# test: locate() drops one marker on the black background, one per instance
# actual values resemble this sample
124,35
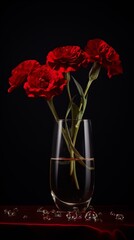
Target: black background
29,30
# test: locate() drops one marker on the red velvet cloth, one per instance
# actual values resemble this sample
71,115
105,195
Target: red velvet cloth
30,223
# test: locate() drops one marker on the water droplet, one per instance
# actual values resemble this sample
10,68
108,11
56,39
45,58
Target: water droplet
91,216
58,214
40,209
119,216
47,217
112,213
72,215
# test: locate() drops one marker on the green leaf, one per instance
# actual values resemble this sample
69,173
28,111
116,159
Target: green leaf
83,102
94,71
80,90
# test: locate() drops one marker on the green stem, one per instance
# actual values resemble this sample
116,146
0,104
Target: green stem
93,74
72,163
53,110
65,135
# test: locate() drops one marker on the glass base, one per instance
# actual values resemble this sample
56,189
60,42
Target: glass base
68,206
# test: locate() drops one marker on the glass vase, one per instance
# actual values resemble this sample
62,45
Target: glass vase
72,168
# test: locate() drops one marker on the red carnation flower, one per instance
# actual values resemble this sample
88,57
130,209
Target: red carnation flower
67,58
44,82
99,51
20,73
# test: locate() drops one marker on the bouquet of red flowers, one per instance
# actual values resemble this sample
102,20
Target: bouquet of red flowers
50,79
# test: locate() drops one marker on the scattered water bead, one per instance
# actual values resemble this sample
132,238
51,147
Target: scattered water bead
40,209
75,214
119,216
77,210
5,211
58,214
11,212
47,217
72,215
91,215
53,211
112,213
45,212
15,209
